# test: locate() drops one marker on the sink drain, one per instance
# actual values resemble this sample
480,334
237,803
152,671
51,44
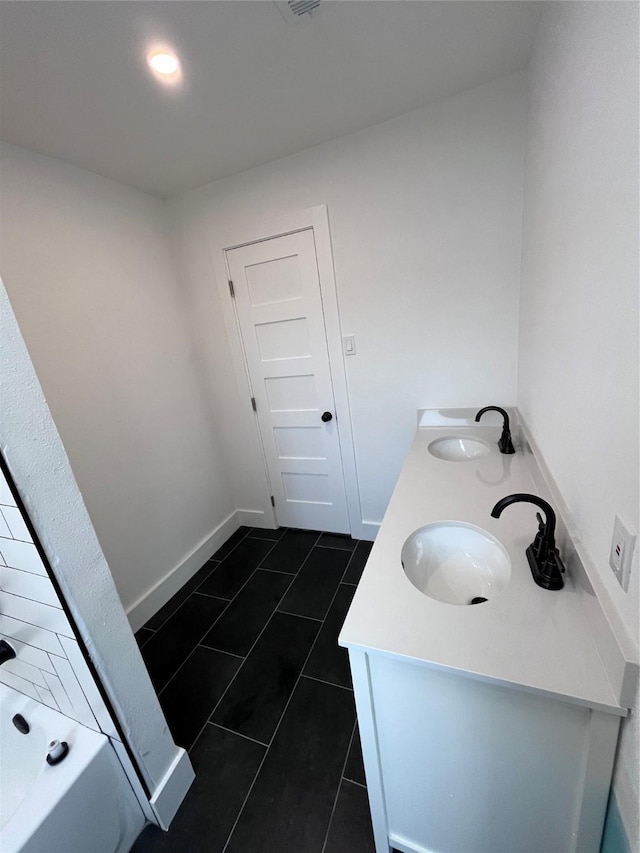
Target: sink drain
478,600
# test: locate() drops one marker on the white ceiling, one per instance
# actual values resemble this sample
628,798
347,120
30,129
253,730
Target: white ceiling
74,84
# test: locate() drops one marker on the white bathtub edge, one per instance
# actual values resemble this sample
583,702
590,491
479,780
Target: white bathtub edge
85,803
172,789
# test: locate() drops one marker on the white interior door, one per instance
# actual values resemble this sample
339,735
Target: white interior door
279,308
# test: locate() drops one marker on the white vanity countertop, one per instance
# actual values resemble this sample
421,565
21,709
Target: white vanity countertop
526,636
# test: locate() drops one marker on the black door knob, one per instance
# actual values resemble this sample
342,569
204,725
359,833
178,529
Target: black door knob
327,416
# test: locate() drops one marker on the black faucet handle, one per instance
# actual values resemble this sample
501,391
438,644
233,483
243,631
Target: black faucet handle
557,559
537,542
552,567
505,444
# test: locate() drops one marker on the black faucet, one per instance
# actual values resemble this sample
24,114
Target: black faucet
543,556
505,444
6,652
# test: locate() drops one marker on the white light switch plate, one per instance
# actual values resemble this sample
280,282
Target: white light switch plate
349,344
621,554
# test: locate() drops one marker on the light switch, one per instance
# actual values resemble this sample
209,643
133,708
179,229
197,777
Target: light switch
349,344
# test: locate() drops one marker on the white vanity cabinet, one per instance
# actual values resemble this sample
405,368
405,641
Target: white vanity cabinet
459,765
489,728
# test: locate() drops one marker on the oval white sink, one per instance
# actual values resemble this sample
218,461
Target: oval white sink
457,448
455,562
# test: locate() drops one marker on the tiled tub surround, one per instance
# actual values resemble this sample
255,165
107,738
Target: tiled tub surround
523,711
49,669
82,804
253,683
49,666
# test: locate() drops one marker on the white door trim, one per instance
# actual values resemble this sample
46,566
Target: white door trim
318,219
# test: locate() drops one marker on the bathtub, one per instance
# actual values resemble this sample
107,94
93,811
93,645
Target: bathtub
84,804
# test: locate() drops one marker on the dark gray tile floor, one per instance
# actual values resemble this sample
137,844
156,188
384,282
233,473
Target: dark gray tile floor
254,685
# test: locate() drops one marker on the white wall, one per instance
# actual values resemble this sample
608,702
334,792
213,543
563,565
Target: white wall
40,469
579,357
87,265
425,215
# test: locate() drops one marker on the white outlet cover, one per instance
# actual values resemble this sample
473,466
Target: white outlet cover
621,554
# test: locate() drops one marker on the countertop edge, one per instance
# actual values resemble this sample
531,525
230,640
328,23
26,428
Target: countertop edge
583,702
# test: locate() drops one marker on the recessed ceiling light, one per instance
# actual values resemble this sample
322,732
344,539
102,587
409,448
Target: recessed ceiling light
164,63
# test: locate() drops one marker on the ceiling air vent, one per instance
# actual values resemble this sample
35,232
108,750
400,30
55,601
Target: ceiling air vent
294,11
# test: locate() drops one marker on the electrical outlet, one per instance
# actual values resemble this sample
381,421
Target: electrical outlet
621,554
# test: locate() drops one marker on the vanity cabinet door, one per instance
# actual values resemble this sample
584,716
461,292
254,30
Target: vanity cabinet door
469,765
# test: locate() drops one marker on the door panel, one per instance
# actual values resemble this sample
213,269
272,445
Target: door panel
291,393
279,309
283,340
299,442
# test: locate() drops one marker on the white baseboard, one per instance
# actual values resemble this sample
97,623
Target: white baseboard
368,530
130,772
404,846
171,791
255,518
143,609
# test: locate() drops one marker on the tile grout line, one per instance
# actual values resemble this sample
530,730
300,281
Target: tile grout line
275,571
224,651
335,801
363,567
275,610
217,564
329,683
220,562
199,643
26,597
299,615
241,539
336,548
197,646
264,538
238,734
322,621
333,811
22,693
182,603
344,574
208,594
355,722
13,538
143,642
353,782
284,711
296,573
333,597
